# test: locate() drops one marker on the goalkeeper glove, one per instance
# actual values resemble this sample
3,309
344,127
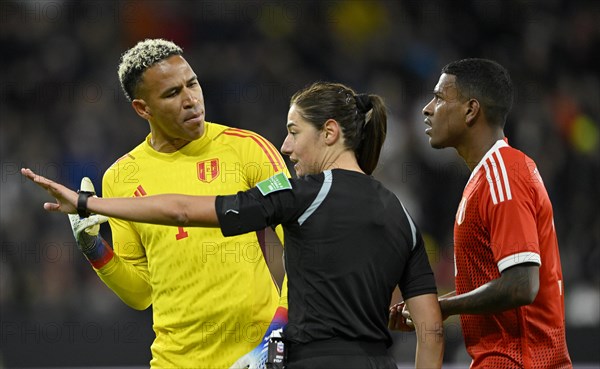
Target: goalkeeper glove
86,232
257,358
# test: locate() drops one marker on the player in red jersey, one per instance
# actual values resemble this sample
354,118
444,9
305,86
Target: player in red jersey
509,284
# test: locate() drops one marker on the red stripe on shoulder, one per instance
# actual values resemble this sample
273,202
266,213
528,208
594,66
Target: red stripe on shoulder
265,145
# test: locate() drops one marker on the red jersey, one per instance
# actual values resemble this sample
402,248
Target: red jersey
504,219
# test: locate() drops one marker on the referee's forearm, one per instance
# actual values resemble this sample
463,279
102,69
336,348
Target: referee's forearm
172,210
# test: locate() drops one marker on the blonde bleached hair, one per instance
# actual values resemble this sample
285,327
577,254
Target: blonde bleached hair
142,56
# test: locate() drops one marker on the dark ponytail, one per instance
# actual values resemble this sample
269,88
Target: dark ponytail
373,135
362,118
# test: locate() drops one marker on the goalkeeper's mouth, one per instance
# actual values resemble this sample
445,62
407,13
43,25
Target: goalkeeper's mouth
196,118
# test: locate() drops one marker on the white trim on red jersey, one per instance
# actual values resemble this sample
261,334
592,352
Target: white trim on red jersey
491,161
520,258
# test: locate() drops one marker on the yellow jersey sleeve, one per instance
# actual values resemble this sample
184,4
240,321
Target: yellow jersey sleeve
127,273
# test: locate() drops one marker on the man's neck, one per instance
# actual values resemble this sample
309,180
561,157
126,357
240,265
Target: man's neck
167,146
477,148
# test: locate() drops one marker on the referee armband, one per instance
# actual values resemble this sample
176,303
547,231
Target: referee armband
239,214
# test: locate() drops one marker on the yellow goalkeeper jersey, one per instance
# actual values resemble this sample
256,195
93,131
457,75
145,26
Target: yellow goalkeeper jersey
212,297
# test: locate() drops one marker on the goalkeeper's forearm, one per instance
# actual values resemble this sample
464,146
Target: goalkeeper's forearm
96,250
87,235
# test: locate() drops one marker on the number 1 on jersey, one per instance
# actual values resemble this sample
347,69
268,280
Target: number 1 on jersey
181,234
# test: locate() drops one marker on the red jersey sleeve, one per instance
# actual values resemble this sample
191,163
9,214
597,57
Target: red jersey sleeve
509,208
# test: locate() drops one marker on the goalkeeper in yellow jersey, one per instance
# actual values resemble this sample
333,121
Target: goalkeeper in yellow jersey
213,298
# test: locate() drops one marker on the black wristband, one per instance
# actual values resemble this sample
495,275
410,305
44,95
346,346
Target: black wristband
82,203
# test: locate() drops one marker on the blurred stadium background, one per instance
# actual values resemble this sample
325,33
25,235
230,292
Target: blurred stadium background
62,113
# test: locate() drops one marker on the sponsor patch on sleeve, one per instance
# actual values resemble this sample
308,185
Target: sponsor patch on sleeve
276,183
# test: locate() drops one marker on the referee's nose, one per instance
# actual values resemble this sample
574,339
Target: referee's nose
286,146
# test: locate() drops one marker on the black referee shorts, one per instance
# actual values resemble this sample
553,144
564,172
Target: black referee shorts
339,354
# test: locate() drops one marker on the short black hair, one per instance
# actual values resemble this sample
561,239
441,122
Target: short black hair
488,82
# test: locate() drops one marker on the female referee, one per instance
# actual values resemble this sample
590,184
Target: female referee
349,241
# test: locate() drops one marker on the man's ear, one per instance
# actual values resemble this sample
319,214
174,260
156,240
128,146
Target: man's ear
141,108
332,131
472,111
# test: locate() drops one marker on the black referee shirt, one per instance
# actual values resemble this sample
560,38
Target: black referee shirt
348,243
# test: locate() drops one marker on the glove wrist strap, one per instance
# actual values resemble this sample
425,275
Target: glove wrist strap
82,203
100,254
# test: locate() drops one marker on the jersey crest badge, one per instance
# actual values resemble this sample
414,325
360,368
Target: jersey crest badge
208,170
276,183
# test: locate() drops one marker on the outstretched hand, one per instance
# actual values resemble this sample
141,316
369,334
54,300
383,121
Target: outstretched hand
66,200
